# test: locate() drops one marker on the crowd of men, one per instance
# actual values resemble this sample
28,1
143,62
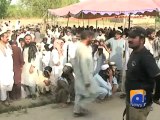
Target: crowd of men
75,64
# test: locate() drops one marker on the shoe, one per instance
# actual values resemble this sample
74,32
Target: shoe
63,105
122,96
79,114
34,97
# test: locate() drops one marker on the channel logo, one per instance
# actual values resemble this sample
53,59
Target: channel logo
138,98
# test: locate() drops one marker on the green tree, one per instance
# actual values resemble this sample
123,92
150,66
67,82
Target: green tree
39,7
4,4
16,11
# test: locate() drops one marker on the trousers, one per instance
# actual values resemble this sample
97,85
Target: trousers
137,114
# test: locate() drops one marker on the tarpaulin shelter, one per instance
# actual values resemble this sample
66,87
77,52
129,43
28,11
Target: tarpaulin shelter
91,9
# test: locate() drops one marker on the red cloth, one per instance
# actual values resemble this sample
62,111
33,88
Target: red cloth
107,5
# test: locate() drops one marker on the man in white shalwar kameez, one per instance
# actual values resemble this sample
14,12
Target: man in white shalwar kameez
56,61
30,70
6,71
86,89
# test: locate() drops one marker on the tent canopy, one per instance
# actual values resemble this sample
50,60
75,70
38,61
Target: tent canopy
102,8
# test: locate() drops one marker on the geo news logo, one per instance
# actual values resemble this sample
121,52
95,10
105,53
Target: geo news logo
138,98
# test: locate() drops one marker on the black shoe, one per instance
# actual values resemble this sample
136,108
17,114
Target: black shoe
79,114
122,96
34,97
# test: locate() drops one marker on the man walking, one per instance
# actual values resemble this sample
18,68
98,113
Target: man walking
86,88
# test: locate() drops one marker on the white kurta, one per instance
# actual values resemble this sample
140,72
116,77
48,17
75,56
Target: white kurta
28,78
149,46
6,73
57,65
83,68
71,50
116,55
46,58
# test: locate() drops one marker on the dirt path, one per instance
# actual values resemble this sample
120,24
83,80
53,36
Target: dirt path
109,110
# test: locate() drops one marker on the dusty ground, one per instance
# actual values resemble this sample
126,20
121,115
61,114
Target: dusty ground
105,22
109,110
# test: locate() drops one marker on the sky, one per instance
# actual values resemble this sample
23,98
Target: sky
14,1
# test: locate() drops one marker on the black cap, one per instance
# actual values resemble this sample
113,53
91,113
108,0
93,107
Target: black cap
137,31
47,71
149,31
21,39
158,34
12,42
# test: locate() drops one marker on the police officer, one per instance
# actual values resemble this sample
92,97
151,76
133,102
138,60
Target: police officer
141,77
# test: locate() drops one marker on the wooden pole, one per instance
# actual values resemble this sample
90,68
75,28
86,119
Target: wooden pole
67,21
103,22
129,21
47,16
96,24
83,18
54,20
88,22
157,18
78,22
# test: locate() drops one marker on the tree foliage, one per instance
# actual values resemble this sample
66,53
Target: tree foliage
4,4
16,11
39,7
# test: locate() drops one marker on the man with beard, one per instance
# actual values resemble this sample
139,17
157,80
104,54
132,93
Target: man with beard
141,76
149,42
106,81
29,71
156,47
6,71
65,86
101,36
99,59
117,47
86,88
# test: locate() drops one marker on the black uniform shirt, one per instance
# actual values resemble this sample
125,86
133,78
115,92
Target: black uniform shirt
142,68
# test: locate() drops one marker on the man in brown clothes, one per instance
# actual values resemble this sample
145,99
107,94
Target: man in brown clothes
17,68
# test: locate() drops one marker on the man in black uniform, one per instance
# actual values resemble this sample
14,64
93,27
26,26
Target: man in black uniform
141,77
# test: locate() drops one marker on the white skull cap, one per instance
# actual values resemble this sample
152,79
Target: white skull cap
112,63
68,64
104,67
50,46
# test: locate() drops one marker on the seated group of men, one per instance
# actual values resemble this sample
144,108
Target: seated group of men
64,90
